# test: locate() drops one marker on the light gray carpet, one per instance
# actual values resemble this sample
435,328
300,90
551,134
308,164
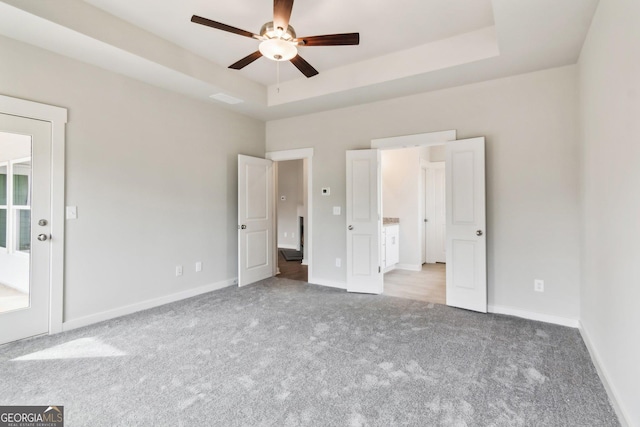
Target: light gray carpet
284,353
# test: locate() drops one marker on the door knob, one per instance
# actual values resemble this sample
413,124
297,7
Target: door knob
426,220
350,227
479,233
243,227
42,237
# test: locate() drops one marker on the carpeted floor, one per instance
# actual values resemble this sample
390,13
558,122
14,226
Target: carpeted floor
285,353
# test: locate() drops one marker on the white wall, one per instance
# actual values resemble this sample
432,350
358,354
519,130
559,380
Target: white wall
532,197
401,199
154,176
290,183
610,130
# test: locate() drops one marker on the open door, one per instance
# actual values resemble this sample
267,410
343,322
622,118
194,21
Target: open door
363,222
466,225
255,220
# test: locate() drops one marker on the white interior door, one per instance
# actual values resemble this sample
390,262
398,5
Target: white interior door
364,223
255,220
466,231
25,216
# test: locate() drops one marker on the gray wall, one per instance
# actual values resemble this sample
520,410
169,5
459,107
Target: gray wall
154,176
532,196
610,115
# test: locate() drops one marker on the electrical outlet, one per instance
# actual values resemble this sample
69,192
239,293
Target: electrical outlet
198,266
286,234
178,270
338,262
538,285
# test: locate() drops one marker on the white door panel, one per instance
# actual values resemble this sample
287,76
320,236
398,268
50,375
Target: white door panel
255,220
466,225
364,273
25,214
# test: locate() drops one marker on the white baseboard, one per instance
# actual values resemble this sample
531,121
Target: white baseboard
541,317
328,283
144,305
305,262
604,377
410,267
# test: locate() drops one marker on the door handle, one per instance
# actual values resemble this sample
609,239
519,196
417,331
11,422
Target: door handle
350,227
479,233
42,237
242,227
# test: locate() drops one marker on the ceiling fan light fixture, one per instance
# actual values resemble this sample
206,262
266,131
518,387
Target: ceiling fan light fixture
278,49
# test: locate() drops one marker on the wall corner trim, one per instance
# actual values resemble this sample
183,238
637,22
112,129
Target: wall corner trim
145,305
623,417
531,315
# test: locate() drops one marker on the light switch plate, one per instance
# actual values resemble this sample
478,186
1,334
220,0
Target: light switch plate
336,210
72,212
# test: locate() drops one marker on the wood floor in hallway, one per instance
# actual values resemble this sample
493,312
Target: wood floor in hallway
293,270
429,284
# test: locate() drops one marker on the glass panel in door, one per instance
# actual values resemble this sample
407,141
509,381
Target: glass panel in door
15,221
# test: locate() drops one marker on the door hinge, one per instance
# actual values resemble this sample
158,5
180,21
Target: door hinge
379,271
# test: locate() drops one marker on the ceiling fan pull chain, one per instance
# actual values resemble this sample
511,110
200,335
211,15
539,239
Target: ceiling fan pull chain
278,76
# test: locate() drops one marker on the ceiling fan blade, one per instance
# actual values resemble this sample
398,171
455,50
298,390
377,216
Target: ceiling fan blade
303,66
282,13
331,40
220,26
246,60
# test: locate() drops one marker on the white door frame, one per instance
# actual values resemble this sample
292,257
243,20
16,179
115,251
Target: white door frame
57,116
300,154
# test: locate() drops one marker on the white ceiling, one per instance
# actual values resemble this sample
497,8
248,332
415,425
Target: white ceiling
407,46
383,29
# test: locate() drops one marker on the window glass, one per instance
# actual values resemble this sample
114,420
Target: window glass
21,172
23,230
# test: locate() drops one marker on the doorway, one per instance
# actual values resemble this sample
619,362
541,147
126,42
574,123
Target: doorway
465,217
299,223
291,213
413,208
32,217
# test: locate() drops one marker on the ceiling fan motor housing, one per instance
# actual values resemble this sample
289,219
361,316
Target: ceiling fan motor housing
278,45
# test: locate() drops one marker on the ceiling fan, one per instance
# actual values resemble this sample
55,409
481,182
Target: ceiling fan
278,40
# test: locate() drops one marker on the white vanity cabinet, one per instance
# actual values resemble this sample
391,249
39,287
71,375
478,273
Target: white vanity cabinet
390,246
